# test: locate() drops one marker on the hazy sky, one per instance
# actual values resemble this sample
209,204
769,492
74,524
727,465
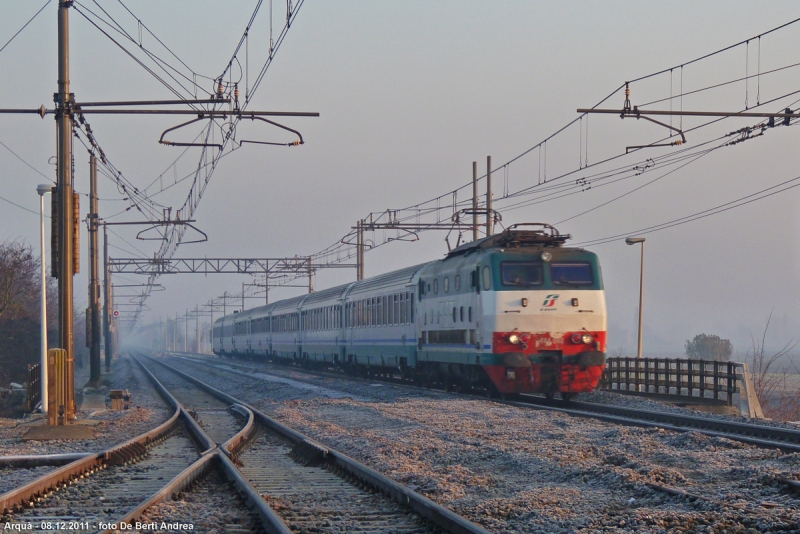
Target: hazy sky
410,94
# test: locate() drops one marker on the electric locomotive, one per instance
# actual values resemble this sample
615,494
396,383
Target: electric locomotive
515,312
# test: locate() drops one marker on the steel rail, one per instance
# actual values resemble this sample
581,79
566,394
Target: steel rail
231,447
121,453
755,434
271,522
441,516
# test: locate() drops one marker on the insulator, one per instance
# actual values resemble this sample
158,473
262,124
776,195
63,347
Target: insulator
236,93
219,89
627,91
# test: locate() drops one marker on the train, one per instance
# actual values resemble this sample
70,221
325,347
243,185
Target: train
515,312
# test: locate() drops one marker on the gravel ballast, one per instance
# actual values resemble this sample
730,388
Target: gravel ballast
147,411
514,469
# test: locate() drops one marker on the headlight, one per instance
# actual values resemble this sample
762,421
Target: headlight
546,256
513,339
586,339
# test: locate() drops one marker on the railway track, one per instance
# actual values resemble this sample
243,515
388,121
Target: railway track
312,488
102,491
758,434
317,489
748,501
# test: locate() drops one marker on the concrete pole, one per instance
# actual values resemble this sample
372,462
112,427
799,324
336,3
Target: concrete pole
94,278
360,250
310,277
65,200
641,303
475,218
242,296
211,331
186,332
43,189
489,214
175,333
107,304
196,330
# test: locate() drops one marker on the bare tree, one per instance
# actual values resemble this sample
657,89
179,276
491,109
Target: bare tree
18,290
772,381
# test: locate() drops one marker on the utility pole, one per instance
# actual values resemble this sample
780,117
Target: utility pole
175,333
475,218
360,251
489,214
94,278
107,303
310,277
196,330
242,296
186,332
63,100
211,330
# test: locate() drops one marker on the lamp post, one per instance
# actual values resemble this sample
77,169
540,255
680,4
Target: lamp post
43,189
633,241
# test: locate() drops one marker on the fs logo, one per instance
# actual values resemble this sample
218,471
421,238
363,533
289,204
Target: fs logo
550,301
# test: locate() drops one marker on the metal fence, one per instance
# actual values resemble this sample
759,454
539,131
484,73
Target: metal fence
34,386
690,378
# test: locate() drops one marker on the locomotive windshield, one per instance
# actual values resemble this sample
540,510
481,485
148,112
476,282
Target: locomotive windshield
521,274
572,274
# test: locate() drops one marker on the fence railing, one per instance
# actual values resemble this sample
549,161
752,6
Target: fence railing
690,378
34,386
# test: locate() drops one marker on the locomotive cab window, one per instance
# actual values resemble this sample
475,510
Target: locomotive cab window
521,274
487,278
572,274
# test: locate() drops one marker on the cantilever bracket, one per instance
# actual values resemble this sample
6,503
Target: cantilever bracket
405,236
205,236
293,143
174,143
635,113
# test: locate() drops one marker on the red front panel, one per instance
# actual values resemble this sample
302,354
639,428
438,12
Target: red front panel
518,375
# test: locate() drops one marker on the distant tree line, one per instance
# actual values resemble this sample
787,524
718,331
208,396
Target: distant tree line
709,347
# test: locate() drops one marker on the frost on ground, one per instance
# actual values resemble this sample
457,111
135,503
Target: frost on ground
521,470
147,411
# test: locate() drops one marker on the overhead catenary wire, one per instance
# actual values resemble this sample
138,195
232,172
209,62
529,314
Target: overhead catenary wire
24,26
34,169
721,208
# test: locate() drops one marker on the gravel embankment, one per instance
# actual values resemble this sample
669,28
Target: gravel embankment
523,470
110,427
12,477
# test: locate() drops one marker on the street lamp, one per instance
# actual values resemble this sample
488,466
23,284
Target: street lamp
633,241
43,189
